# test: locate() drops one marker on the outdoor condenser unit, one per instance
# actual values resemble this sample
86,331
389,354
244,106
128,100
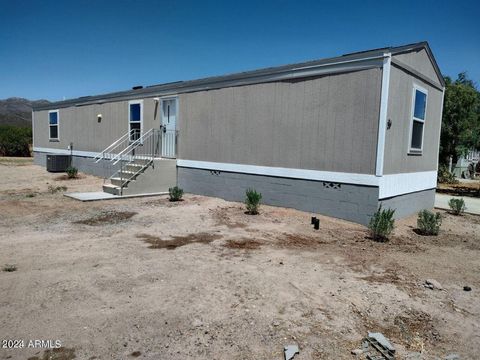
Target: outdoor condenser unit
57,163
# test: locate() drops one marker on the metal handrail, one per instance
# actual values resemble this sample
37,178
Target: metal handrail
132,146
108,150
150,142
141,152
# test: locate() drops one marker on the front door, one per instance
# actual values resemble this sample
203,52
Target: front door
168,127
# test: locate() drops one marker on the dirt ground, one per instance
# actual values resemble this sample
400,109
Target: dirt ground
199,279
463,188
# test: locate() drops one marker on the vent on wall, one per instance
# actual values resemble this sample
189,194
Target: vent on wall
332,185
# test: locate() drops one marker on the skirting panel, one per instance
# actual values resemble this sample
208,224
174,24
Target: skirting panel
86,165
409,204
350,202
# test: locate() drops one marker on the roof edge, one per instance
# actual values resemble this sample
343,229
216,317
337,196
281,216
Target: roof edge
299,70
418,46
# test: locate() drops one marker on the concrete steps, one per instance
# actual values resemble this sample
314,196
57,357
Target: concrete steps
111,189
159,176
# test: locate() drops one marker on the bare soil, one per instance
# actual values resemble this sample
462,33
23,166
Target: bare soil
199,279
56,354
107,217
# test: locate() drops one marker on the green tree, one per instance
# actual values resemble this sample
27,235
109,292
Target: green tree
461,118
15,141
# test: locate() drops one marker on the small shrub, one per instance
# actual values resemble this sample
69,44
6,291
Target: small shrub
31,195
381,224
54,189
428,223
445,176
10,268
457,206
175,193
252,201
72,172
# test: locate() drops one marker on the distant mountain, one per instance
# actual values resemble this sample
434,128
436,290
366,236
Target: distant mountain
18,111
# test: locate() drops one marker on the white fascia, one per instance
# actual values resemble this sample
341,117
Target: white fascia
382,121
65,152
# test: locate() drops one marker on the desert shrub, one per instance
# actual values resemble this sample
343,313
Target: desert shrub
54,189
15,141
445,176
381,224
428,223
457,205
175,193
252,201
72,172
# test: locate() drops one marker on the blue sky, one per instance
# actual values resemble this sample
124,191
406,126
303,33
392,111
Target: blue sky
64,49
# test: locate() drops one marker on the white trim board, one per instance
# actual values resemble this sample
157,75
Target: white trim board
382,120
349,178
389,185
134,102
440,127
413,118
57,125
65,152
398,184
33,128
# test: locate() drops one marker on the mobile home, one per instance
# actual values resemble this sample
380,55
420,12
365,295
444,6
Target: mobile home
336,136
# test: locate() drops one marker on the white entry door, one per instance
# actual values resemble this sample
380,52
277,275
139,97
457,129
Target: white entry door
168,127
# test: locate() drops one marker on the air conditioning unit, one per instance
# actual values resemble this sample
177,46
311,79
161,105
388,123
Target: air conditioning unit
57,163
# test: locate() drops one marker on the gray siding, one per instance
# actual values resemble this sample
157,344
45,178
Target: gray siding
420,61
328,123
78,124
350,202
397,159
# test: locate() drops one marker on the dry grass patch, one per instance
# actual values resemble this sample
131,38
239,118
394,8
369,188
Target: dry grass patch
243,244
15,161
107,217
414,329
56,354
65,177
178,241
10,268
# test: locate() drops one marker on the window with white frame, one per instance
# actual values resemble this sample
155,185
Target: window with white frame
53,122
419,111
135,115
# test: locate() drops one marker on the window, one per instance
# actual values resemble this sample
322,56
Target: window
53,124
135,118
419,110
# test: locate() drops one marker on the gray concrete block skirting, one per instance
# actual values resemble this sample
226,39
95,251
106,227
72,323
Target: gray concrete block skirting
346,201
86,165
350,202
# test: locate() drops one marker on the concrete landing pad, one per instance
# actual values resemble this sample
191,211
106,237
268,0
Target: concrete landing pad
100,195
